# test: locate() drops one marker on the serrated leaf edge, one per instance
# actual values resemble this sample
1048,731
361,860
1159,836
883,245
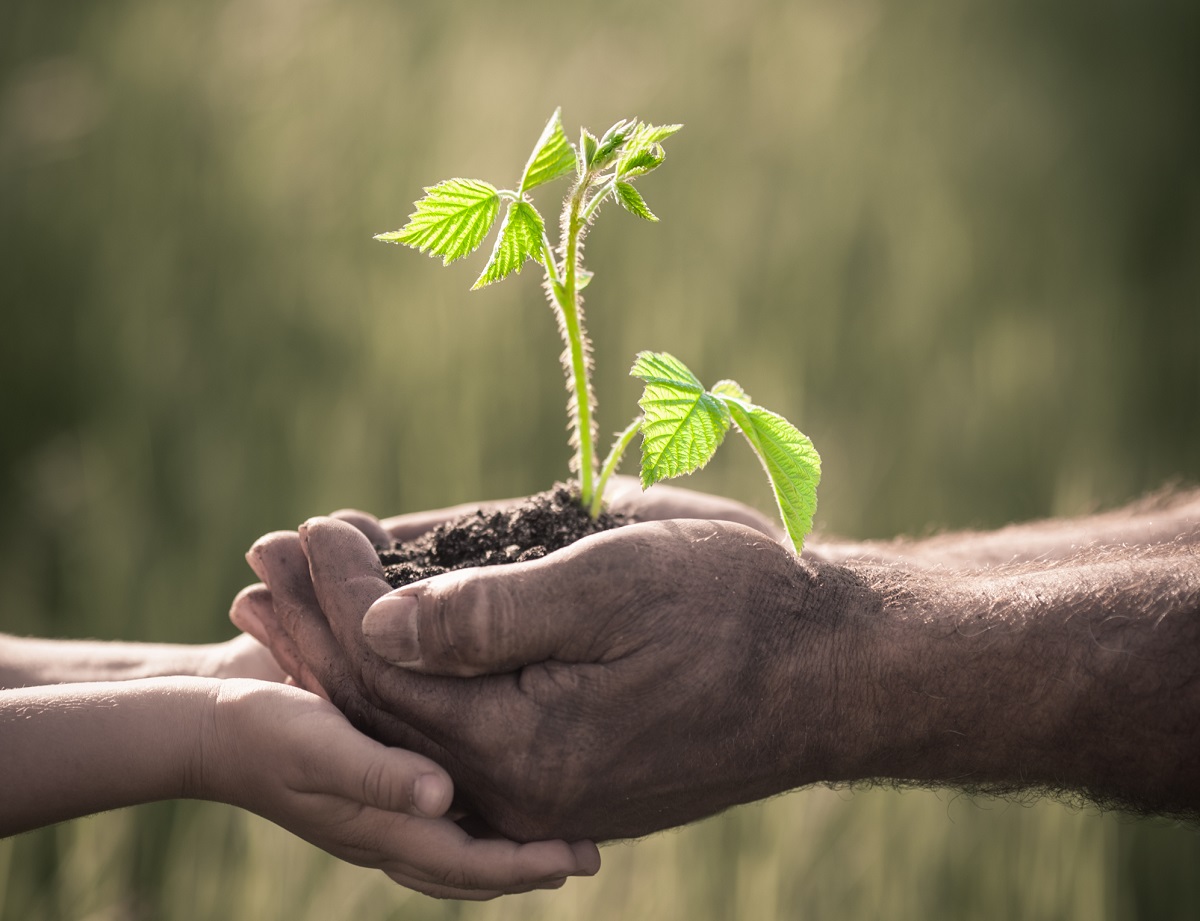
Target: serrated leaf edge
631,200
514,208
553,126
785,490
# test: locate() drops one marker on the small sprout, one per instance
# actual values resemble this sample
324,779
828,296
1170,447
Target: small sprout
682,423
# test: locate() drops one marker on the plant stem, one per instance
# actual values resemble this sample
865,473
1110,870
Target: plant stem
576,338
612,462
598,198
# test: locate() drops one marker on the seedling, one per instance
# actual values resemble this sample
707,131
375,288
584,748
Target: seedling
682,423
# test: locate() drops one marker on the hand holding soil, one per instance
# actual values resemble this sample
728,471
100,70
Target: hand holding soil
652,674
648,650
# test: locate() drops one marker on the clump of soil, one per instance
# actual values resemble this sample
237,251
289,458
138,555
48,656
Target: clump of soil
542,524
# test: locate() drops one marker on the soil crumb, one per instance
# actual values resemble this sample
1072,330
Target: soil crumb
542,524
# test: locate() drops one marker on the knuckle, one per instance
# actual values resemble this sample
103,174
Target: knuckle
468,624
380,787
346,697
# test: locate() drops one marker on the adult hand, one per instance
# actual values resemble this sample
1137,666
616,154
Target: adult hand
292,758
639,679
251,610
623,495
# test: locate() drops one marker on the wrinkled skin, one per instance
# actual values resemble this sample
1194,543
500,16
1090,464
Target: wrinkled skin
657,638
651,675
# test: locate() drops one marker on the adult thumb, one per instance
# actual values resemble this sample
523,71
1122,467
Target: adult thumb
481,621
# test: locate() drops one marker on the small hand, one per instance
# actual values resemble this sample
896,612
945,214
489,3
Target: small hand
241,657
639,679
293,758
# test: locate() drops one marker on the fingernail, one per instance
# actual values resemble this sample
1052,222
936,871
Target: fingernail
390,628
247,622
588,857
428,795
254,558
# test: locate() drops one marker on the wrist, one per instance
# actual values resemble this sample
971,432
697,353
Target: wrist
939,686
1075,677
884,676
74,749
828,658
241,723
213,760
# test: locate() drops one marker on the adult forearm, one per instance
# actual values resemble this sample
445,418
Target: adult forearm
76,749
1081,678
1167,519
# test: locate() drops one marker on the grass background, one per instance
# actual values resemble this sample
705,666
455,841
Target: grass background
955,242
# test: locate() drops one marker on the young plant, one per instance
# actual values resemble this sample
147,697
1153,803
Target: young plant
682,423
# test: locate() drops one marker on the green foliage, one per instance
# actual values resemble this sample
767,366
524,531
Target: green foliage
588,148
520,238
613,141
631,200
451,220
790,460
552,156
683,425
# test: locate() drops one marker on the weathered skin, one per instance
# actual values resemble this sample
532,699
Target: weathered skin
652,675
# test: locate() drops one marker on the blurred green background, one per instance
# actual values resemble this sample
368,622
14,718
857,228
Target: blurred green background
957,243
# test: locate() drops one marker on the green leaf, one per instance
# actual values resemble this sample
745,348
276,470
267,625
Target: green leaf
683,425
640,162
552,156
643,150
792,464
614,138
729,389
588,145
631,200
520,238
652,134
451,220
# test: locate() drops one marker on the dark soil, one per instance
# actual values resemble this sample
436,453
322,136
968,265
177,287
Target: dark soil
542,524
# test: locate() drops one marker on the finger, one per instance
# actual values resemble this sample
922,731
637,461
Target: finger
346,578
414,524
437,891
251,605
497,619
451,857
253,611
279,561
345,573
391,779
662,502
368,524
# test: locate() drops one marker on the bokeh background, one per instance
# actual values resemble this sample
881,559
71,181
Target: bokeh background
957,243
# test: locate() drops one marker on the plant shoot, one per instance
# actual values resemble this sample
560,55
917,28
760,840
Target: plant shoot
681,422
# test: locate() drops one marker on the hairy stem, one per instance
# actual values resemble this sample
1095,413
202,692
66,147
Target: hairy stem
612,462
599,197
576,337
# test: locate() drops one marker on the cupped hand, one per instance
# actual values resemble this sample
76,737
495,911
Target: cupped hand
294,759
251,610
623,495
639,679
